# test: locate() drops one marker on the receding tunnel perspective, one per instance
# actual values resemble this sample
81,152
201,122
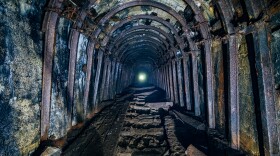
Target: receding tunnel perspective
140,77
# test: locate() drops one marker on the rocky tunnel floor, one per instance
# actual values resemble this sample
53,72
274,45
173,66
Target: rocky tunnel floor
135,126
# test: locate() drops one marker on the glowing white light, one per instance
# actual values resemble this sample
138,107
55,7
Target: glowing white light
142,77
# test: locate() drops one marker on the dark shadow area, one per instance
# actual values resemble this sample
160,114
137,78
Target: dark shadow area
89,145
190,131
256,91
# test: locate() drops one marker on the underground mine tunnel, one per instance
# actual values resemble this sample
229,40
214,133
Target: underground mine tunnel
140,77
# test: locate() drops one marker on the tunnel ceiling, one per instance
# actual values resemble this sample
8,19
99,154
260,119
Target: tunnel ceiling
141,32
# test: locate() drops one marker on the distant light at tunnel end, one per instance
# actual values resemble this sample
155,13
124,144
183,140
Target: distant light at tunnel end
142,77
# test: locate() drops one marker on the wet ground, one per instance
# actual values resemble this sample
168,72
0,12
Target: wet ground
136,124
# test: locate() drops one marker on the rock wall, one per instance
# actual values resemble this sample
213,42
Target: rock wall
219,84
58,116
201,83
248,128
276,61
78,111
20,75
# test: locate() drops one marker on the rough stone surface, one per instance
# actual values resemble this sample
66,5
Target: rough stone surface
142,132
248,128
58,116
192,151
51,151
101,135
79,108
20,76
276,61
217,54
176,148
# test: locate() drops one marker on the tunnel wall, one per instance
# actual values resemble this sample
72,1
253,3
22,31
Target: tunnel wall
248,129
276,62
20,76
59,117
242,107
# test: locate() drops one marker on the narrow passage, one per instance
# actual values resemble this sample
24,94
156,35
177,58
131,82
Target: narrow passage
136,124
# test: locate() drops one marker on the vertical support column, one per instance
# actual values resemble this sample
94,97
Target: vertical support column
161,77
209,81
266,92
171,82
187,82
116,70
107,82
90,51
71,73
119,79
103,84
233,93
123,77
97,77
168,82
176,98
158,78
50,24
197,110
112,81
179,73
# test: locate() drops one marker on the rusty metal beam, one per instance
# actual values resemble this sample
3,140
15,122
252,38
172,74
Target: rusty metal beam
266,85
97,76
141,51
233,93
158,5
167,80
195,84
169,37
74,36
180,82
145,46
103,82
139,56
175,82
119,78
138,41
226,15
73,46
140,59
154,18
187,81
141,34
114,91
90,52
111,82
107,81
49,25
209,84
171,81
